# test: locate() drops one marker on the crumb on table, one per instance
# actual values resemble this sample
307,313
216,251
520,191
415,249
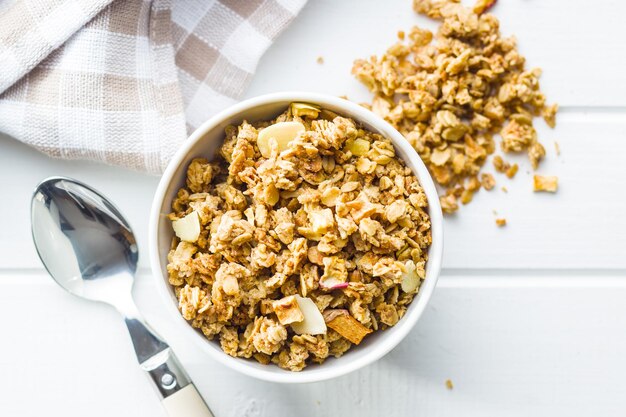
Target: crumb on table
546,183
512,171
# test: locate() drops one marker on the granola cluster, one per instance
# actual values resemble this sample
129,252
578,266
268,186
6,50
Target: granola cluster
449,97
304,235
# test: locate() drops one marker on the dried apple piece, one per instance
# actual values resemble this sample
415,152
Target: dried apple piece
546,183
347,326
287,310
305,109
335,273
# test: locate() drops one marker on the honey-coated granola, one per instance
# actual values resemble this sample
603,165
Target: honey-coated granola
304,235
449,93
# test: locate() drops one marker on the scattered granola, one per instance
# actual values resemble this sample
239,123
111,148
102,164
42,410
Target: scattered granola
487,181
545,183
549,114
482,6
449,384
305,234
501,222
500,164
448,97
512,170
320,60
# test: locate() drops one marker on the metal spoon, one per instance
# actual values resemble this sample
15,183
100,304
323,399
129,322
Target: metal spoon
89,249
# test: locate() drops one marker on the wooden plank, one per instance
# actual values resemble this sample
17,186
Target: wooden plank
543,346
576,44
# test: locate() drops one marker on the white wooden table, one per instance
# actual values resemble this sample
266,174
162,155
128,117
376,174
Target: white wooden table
527,320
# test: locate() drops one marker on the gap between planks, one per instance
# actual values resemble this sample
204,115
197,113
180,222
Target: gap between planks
592,114
591,109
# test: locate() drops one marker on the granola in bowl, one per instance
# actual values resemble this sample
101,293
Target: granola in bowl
304,235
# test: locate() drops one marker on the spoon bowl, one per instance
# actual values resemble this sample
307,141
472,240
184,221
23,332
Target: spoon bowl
83,241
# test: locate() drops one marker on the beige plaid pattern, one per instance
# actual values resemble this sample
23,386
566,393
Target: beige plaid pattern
124,81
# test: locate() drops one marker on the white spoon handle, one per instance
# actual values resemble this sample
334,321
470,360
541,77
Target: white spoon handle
178,394
186,402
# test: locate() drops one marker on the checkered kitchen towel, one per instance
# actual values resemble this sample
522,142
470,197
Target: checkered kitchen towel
124,81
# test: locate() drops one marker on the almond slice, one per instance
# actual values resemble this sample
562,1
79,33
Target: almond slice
282,133
347,326
334,284
187,228
410,278
313,322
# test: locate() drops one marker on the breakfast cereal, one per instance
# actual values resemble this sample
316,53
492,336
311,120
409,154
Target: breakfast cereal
304,235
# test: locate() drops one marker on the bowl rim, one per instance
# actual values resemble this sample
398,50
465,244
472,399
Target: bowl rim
382,346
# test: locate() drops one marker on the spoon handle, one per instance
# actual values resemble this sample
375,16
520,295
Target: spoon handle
179,396
186,403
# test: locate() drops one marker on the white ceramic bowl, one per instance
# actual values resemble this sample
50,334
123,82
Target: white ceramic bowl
203,143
